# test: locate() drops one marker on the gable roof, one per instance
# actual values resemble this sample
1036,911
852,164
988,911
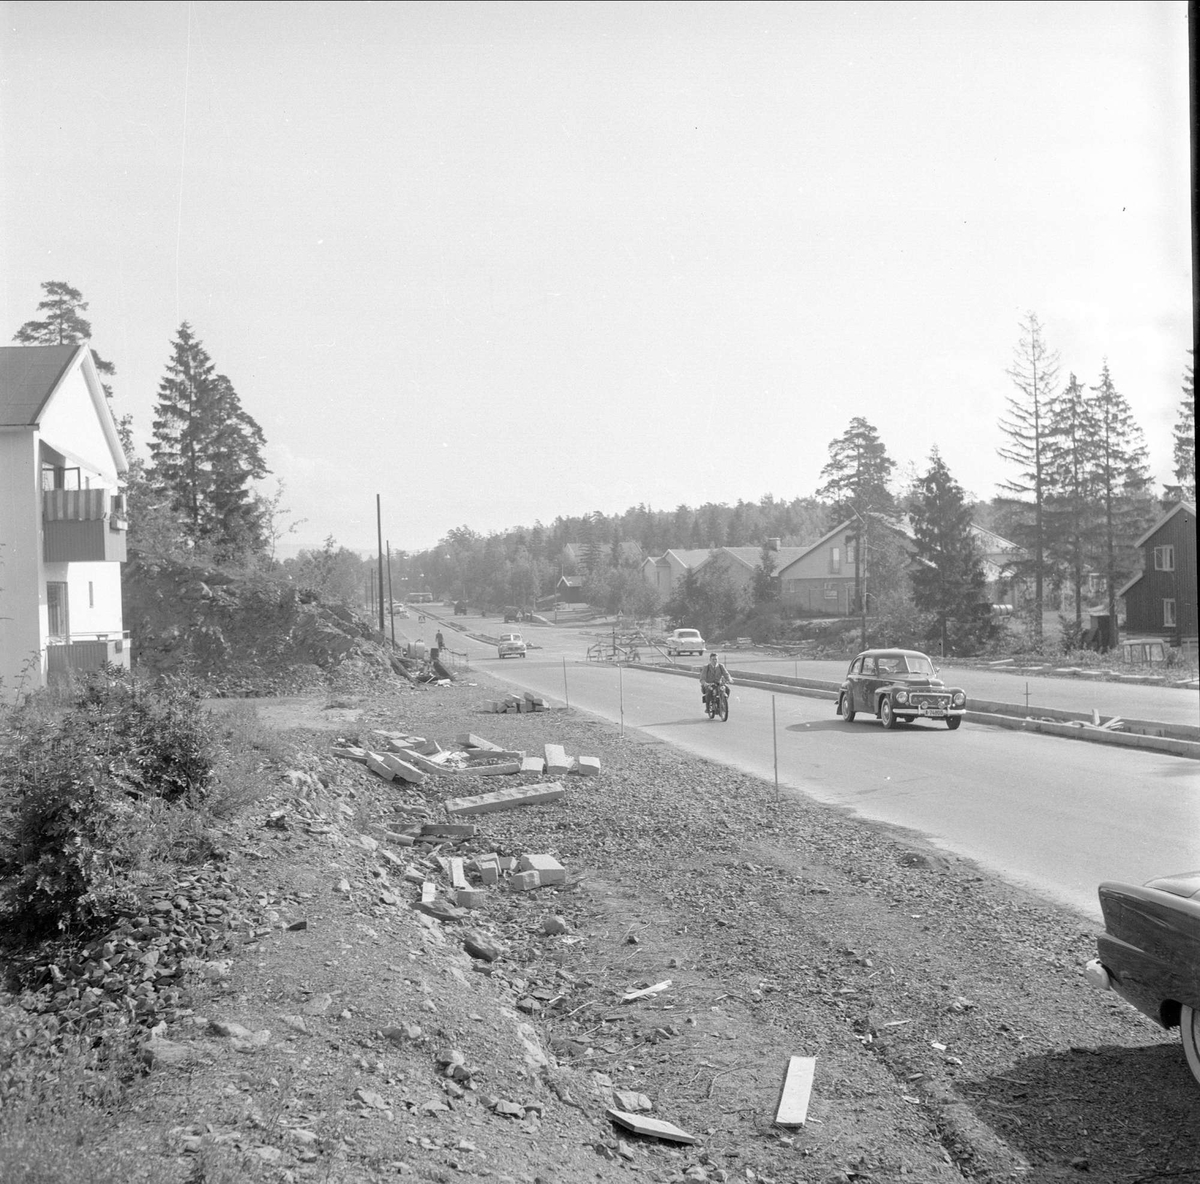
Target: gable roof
29,375
897,526
1175,509
752,556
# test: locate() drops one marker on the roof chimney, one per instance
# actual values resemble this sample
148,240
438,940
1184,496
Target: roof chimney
772,544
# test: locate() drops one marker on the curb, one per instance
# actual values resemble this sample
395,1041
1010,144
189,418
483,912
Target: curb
1168,738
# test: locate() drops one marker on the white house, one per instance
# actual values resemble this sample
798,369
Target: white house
62,518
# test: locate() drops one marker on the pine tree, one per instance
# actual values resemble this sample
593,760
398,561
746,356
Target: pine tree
1035,374
63,325
856,483
206,451
948,580
1121,480
1185,437
1069,511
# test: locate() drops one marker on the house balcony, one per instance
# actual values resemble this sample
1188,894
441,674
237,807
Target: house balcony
88,651
83,525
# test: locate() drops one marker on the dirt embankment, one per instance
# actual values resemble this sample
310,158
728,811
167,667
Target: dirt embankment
954,1035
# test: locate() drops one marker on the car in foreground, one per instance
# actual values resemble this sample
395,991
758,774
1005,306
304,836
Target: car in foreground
899,686
684,641
512,645
1150,953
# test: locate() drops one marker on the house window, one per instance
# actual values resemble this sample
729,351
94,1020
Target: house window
851,550
831,590
1169,613
835,559
1164,558
56,606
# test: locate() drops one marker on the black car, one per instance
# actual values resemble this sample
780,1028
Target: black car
899,686
1150,953
460,608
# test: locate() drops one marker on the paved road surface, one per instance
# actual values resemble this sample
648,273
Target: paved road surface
1052,814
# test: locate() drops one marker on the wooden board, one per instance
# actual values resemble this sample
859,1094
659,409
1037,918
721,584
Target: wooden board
797,1089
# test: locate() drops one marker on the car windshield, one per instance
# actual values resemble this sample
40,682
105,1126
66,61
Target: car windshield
511,637
905,664
687,633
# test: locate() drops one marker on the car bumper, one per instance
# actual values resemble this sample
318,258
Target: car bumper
909,712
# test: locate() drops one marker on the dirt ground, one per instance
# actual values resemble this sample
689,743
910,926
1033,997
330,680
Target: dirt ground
953,1033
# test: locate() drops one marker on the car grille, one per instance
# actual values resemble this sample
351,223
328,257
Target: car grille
929,700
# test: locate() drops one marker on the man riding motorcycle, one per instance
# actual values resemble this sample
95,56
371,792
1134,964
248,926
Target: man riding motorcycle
713,675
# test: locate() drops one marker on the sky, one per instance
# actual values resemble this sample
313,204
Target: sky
502,262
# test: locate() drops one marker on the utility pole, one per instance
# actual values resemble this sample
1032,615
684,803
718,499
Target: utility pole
379,534
391,599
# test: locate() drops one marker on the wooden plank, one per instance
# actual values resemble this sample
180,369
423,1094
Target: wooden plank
796,1091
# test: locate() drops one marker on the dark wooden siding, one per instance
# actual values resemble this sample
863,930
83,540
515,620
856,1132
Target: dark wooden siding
1144,601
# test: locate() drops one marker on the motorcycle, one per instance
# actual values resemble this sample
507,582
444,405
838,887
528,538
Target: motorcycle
717,702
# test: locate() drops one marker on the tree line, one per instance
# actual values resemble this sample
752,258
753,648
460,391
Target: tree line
1078,497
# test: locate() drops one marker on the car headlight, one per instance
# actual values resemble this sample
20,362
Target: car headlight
960,699
901,696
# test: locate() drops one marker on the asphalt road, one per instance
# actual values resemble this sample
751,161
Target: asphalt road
1054,815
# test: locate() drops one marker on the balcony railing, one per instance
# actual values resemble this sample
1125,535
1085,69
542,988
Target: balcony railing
83,525
86,652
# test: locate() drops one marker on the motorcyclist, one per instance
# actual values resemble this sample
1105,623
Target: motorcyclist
714,674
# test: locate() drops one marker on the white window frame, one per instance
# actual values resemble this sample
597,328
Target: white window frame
1164,557
835,561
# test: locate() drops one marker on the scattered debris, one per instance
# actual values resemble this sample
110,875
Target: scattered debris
507,799
656,989
641,1125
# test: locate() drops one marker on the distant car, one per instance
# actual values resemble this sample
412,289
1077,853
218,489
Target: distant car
398,610
684,641
511,645
899,686
460,608
1150,953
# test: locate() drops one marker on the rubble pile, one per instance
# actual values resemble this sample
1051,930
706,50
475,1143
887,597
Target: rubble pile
251,633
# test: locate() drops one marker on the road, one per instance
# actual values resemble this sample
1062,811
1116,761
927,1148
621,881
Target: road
1053,815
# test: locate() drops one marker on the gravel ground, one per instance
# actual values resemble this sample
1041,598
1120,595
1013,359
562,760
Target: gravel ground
954,1036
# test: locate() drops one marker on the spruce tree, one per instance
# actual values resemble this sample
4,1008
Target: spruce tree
1185,438
856,483
1121,480
948,580
1034,372
206,451
1070,512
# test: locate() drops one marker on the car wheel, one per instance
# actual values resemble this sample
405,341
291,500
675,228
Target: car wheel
1189,1029
886,715
846,708
952,722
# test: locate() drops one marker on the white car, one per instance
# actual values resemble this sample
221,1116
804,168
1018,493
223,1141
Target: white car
511,644
685,641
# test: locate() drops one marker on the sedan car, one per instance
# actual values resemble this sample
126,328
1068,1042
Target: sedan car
684,641
1150,953
899,686
512,645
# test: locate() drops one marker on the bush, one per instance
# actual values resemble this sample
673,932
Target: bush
80,786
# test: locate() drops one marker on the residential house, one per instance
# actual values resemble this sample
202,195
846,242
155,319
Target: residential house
664,572
1160,602
569,589
62,518
821,579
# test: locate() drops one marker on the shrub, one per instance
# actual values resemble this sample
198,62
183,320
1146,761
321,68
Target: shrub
78,786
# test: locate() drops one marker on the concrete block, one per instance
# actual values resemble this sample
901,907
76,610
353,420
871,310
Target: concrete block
470,898
469,740
549,870
508,864
533,764
457,879
507,799
418,761
498,770
489,873
376,765
588,766
524,881
557,761
351,754
396,766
